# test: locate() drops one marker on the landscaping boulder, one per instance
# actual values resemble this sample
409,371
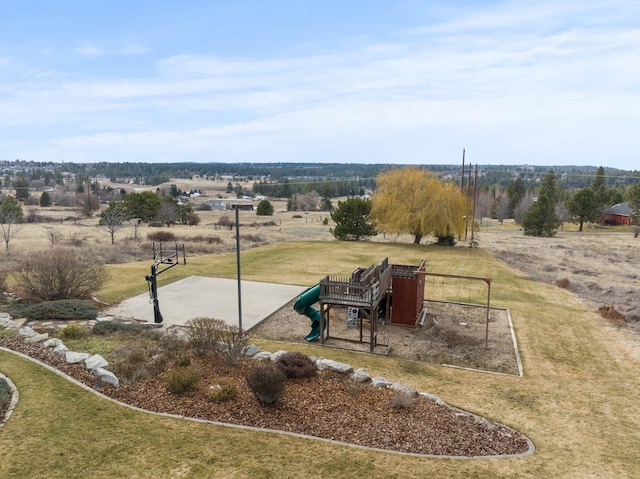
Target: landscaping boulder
96,361
60,349
26,331
380,382
108,377
275,356
74,357
251,350
408,390
332,365
38,338
52,343
360,375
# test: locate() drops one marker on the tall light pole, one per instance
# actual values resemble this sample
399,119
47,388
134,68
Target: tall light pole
238,267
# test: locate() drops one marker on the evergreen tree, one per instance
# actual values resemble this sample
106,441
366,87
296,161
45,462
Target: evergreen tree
45,199
353,220
265,208
584,206
21,185
541,219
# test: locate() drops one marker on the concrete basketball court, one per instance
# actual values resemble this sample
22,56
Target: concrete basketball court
199,296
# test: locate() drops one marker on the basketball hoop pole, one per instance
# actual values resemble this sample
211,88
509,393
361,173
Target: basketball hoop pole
152,278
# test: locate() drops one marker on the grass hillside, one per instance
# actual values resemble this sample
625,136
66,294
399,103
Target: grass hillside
578,399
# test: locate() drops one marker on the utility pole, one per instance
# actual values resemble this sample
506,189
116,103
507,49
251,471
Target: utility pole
462,174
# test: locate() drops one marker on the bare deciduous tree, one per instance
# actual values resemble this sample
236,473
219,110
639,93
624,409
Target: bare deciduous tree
54,236
11,217
112,219
501,207
524,204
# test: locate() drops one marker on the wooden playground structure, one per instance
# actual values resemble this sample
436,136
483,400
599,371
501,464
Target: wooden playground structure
373,297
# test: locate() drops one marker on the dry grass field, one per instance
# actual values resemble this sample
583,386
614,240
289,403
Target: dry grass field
578,399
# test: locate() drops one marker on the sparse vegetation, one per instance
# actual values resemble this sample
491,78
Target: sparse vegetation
223,390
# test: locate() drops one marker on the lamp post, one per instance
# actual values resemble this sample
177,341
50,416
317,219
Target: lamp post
238,268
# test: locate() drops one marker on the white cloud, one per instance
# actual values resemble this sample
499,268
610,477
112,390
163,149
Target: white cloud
529,82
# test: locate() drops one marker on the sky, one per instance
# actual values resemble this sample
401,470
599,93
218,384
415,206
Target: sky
547,82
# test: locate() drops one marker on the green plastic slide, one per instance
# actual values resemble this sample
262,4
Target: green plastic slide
303,306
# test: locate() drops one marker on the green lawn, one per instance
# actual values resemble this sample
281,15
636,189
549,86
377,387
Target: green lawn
578,400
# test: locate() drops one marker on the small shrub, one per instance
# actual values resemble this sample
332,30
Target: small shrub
156,224
223,391
5,393
297,216
296,365
107,327
563,283
74,331
446,240
610,312
224,220
267,383
5,333
68,309
402,400
214,336
3,281
201,334
162,236
182,380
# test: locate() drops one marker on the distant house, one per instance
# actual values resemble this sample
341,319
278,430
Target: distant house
240,206
619,214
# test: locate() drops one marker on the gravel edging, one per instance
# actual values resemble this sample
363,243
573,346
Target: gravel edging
530,450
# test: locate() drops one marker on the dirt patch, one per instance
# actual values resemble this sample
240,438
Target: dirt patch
452,334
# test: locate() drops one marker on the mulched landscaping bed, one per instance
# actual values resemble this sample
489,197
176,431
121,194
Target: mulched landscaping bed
329,406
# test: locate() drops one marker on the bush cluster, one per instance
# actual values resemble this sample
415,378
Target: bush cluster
68,309
162,236
296,365
214,336
267,383
182,380
60,273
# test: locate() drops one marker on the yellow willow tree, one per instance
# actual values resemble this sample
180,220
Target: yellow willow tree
412,200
